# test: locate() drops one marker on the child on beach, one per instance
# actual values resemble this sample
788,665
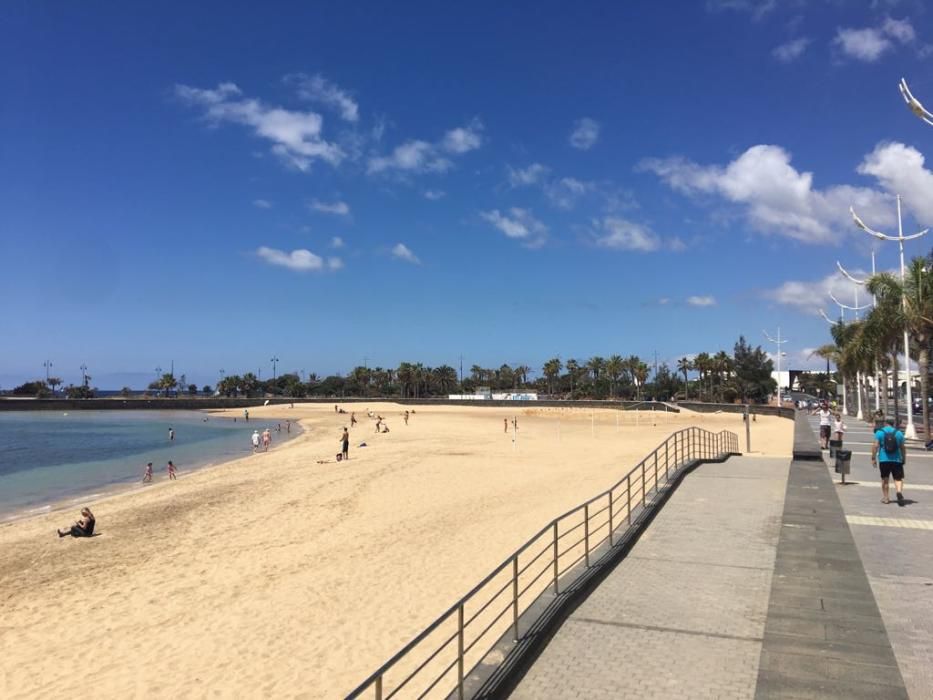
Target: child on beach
171,470
266,439
839,427
147,477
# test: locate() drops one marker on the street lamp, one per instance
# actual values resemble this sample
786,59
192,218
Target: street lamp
83,369
874,302
911,431
48,365
858,374
779,343
274,361
914,104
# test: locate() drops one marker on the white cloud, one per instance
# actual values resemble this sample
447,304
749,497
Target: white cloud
776,198
338,208
296,136
411,156
519,224
262,203
315,88
900,29
565,192
701,301
334,263
621,234
900,169
810,297
870,43
531,175
585,133
336,242
434,195
403,252
301,260
791,50
756,8
464,139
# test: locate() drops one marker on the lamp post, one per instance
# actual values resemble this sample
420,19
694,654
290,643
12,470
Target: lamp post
274,361
918,109
83,369
48,365
858,374
874,302
911,431
779,343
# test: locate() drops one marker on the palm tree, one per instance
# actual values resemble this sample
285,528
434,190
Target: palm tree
915,297
615,366
722,365
572,368
684,365
551,371
640,373
445,377
596,365
703,364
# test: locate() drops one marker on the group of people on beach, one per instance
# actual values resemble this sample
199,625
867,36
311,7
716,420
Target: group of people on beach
170,468
344,438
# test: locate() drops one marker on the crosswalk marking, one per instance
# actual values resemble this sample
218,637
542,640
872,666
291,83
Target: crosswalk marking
890,522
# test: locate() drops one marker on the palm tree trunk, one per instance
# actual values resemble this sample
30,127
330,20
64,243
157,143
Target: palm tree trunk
897,388
923,363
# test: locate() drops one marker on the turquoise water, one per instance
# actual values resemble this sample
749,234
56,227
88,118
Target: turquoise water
47,457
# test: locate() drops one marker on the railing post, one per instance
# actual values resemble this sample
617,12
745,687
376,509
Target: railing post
556,568
460,652
610,517
643,481
586,533
656,470
379,688
515,596
628,497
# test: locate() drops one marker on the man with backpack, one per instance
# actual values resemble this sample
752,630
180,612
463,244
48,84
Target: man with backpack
889,454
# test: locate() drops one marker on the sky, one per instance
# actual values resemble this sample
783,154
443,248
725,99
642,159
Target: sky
333,184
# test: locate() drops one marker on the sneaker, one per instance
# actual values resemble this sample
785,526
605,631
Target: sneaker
900,499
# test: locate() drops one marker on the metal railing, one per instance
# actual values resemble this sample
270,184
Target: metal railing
437,660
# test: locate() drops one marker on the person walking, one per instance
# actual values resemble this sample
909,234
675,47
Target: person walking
826,425
171,434
246,414
147,475
171,470
345,439
889,454
255,440
839,427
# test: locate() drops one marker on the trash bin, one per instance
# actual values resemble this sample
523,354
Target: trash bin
834,445
843,458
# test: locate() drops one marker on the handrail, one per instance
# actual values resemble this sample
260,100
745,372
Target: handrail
681,448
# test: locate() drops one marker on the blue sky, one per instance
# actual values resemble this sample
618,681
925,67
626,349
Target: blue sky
333,183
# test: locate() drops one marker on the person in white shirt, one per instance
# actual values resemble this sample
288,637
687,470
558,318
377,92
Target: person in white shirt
826,425
839,427
255,441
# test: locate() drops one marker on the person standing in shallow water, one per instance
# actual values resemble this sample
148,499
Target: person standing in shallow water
171,434
246,414
171,470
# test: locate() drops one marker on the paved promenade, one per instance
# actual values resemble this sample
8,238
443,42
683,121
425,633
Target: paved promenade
762,578
895,545
684,614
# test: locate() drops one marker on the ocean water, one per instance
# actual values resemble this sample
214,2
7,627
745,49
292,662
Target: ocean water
50,457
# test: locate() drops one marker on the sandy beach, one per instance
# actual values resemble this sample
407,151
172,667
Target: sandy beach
279,576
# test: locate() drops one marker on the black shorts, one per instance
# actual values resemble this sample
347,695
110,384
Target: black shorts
825,430
895,469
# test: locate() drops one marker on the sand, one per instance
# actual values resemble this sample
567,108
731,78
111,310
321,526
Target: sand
277,576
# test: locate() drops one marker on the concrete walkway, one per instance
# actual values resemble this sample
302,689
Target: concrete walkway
683,615
895,545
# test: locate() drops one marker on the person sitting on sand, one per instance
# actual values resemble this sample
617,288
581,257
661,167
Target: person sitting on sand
147,476
171,470
83,528
385,428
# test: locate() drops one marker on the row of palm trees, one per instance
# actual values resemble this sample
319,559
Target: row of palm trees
871,346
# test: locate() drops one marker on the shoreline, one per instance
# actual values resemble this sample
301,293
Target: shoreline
364,553
117,489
